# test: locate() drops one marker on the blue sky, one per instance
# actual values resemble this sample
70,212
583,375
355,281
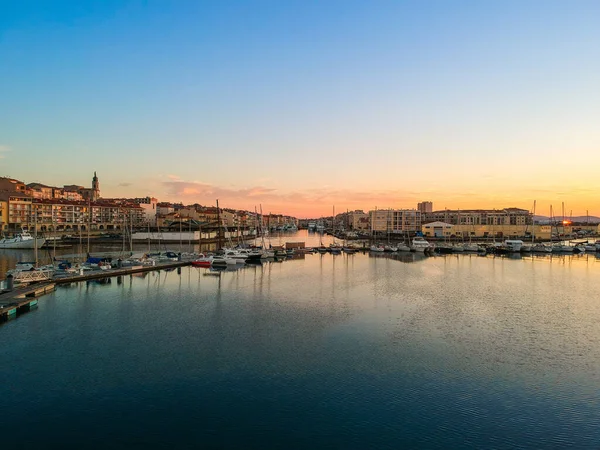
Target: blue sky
301,105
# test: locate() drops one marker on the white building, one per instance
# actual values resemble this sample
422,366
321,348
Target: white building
437,229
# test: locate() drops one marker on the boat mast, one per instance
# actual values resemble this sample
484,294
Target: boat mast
81,221
563,219
35,234
218,226
89,226
533,224
190,232
53,240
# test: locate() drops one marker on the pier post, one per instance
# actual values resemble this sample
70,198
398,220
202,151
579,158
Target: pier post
10,282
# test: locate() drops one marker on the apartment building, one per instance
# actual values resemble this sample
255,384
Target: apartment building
395,220
506,216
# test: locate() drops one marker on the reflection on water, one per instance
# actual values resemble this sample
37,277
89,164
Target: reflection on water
320,351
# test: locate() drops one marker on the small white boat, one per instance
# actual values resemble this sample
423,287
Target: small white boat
471,247
419,244
512,245
403,248
541,248
561,248
22,240
239,257
266,254
377,248
222,261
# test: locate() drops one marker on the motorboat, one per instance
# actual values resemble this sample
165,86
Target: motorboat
237,255
512,245
202,261
541,248
377,248
22,240
419,244
458,248
223,261
562,248
403,248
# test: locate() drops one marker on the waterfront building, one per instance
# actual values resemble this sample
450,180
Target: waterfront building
506,216
358,220
28,213
19,210
149,206
3,210
467,231
437,229
395,220
425,207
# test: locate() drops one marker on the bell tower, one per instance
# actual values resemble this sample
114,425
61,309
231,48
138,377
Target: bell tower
95,188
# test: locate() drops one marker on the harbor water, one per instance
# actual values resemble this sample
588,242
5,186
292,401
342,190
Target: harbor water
319,351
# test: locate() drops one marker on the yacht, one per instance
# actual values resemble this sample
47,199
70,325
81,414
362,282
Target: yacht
512,245
22,240
237,255
419,244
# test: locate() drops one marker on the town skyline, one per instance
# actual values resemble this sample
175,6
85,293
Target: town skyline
303,107
75,192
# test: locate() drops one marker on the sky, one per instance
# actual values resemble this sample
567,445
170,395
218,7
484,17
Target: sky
302,106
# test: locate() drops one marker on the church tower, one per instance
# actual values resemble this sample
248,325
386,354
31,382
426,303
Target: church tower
95,188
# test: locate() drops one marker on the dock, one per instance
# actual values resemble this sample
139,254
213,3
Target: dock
22,299
25,298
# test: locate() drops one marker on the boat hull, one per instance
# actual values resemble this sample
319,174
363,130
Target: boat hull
16,243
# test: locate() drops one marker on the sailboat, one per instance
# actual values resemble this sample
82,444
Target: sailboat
527,248
334,247
541,247
561,247
266,253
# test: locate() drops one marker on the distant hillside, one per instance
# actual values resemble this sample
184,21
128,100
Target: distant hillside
580,219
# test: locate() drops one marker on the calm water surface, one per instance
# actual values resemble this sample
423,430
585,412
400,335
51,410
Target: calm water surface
318,352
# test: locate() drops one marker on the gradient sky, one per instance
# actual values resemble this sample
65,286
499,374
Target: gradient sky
302,105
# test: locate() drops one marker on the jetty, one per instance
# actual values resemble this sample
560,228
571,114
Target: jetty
24,298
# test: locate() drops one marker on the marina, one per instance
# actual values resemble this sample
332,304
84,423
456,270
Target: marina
403,348
25,282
